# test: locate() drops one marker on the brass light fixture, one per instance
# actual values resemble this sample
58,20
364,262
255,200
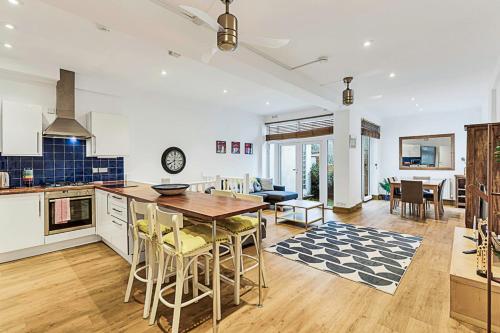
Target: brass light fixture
348,94
227,36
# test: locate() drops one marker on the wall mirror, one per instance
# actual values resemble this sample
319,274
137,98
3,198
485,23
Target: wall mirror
427,152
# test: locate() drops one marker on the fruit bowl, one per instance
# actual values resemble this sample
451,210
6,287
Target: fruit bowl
170,189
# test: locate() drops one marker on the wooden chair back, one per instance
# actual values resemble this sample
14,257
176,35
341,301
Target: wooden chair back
249,197
174,223
412,191
141,211
223,193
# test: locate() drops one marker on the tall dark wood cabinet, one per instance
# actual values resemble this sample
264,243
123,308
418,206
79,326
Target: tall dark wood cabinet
477,167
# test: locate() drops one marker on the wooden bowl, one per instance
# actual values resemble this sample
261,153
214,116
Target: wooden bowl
170,189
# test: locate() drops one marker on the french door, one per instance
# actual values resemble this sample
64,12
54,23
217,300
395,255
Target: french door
366,168
305,167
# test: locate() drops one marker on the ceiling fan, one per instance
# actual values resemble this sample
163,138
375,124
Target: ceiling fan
228,35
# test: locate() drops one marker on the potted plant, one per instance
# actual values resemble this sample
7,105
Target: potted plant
387,188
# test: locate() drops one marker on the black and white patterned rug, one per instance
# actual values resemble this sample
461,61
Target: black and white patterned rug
367,255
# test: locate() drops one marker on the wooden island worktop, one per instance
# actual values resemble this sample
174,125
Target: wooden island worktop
194,204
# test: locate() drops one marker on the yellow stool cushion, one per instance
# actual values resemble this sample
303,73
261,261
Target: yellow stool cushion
194,237
143,226
239,223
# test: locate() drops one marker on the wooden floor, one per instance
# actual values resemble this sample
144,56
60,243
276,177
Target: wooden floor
82,289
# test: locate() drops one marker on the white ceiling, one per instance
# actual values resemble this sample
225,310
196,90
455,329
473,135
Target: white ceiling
443,52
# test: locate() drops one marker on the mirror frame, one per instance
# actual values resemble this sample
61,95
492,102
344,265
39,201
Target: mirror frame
448,135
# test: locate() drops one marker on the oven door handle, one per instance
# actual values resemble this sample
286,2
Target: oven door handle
74,198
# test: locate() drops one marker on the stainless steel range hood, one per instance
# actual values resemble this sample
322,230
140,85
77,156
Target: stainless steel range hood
65,124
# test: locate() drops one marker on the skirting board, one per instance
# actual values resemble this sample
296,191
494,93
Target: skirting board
346,210
42,249
127,257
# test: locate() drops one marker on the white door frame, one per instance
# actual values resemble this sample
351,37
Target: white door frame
370,157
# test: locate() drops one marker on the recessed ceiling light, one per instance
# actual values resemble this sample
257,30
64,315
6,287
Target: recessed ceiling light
7,45
224,91
421,109
268,103
413,99
14,2
163,72
368,43
377,97
392,75
417,105
9,26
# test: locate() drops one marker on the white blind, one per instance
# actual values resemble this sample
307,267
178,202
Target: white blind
299,125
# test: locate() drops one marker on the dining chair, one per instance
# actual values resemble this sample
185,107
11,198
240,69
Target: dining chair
396,192
141,230
412,193
240,228
182,245
429,196
223,193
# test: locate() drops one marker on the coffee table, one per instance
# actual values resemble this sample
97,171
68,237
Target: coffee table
295,216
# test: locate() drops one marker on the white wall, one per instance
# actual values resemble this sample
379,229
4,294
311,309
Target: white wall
156,123
424,124
161,122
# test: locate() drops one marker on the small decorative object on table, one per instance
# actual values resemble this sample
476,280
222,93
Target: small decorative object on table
387,188
482,247
235,147
170,189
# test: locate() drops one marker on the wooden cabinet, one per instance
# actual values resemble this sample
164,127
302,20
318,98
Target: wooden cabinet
112,220
477,168
21,129
21,221
110,135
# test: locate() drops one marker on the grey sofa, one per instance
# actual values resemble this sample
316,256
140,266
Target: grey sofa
278,194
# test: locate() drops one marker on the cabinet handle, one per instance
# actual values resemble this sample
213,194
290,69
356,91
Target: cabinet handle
119,224
117,198
95,145
116,210
107,205
39,207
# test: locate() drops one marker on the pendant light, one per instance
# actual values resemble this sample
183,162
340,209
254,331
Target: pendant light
348,94
227,36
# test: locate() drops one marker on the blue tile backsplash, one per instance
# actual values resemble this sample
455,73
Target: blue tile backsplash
63,160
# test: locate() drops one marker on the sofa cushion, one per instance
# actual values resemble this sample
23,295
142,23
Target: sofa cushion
256,186
280,195
262,194
267,184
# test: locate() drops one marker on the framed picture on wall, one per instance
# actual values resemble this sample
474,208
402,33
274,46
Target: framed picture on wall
220,147
249,148
235,147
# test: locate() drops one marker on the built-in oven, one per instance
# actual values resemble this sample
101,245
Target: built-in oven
81,210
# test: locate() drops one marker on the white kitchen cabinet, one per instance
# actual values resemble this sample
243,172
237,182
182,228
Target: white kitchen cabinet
21,221
21,129
110,135
112,227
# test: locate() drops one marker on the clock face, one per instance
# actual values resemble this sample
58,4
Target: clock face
173,160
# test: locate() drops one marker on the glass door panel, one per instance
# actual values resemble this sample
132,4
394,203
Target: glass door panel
288,167
365,167
310,171
329,156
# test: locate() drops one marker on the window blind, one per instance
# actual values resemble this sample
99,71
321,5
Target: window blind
300,128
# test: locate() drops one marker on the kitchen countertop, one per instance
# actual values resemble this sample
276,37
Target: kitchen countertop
194,204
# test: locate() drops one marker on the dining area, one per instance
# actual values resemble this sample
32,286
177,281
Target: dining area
416,196
179,245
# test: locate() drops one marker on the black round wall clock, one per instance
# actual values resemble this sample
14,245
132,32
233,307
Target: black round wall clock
173,160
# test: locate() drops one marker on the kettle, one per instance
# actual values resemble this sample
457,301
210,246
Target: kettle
4,180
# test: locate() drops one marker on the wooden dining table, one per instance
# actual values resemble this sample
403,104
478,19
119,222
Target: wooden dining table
432,185
203,207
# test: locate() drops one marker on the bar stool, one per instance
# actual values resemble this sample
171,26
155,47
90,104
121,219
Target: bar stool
240,228
141,233
184,245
